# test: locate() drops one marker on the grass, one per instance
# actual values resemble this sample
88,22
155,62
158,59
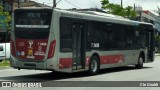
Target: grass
4,63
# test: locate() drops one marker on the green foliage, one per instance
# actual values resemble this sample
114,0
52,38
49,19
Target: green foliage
130,13
157,38
105,4
118,10
6,20
4,63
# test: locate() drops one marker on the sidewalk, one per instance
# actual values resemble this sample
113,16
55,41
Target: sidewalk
157,54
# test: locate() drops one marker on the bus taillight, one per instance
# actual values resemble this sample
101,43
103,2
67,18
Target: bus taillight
51,49
13,51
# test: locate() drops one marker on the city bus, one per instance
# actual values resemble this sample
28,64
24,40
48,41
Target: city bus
72,41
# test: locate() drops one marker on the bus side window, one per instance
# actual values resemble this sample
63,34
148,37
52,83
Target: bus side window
94,35
65,35
109,36
119,39
130,33
143,36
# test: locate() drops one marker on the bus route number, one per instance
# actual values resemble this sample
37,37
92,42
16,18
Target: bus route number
95,45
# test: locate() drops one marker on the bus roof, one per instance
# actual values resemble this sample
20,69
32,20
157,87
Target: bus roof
93,15
33,8
90,15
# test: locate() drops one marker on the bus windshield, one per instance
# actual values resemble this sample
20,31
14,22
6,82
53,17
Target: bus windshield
32,18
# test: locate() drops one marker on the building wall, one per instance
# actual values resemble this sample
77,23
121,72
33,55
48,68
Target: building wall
150,17
27,3
147,18
157,23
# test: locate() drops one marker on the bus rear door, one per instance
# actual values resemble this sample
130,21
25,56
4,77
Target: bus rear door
78,35
151,44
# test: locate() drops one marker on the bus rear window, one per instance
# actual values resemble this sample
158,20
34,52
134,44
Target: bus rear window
32,17
32,24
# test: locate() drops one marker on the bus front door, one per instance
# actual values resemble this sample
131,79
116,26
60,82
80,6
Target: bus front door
151,45
78,53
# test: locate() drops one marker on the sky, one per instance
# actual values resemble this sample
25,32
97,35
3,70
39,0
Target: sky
81,4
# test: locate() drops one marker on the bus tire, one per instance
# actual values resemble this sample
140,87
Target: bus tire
94,65
140,62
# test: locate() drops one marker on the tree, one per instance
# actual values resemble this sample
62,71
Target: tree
118,10
130,13
5,19
105,4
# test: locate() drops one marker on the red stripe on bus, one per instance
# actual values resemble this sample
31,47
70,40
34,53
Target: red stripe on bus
65,63
87,60
111,59
108,59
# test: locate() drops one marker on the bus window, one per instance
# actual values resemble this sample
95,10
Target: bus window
143,35
65,35
130,34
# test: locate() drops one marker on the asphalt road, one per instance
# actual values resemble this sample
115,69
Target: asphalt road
150,72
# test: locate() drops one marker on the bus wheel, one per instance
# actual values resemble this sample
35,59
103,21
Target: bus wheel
140,62
94,65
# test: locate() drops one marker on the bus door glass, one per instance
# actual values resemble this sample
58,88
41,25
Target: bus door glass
147,40
78,45
150,44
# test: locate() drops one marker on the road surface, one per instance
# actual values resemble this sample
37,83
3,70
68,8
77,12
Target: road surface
150,72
